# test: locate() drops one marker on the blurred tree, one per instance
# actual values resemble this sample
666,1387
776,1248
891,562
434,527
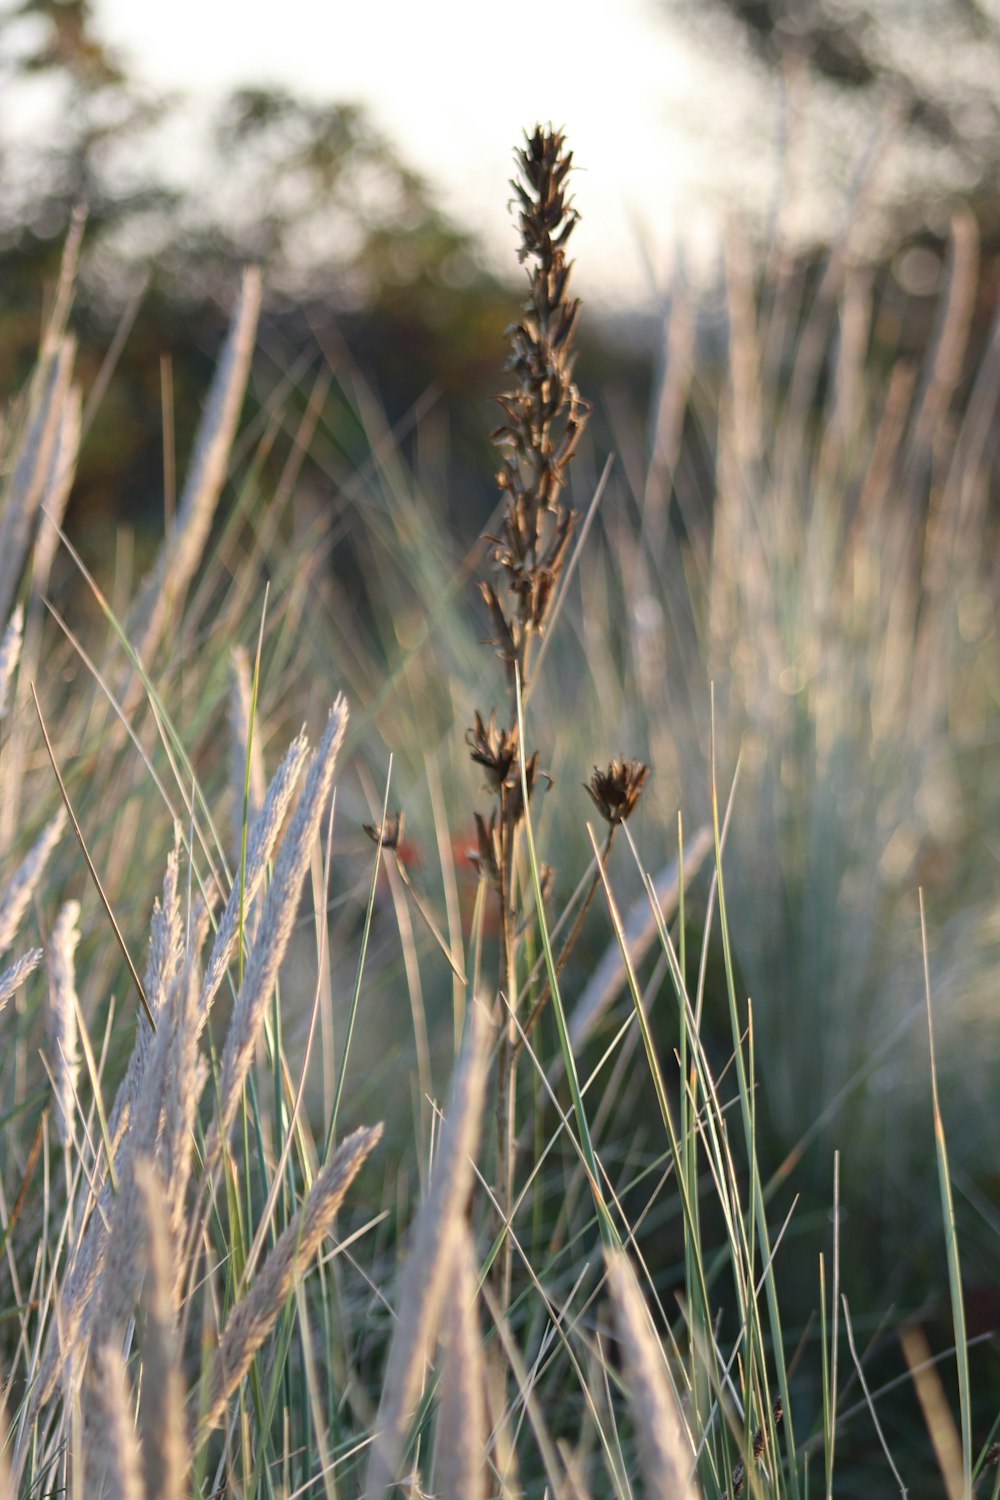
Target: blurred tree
310,190
936,63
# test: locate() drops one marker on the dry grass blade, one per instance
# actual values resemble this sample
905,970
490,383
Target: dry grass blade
12,979
667,1458
68,806
640,930
459,1468
182,553
427,1274
10,651
164,1440
64,1059
32,464
937,1413
21,887
56,492
252,1319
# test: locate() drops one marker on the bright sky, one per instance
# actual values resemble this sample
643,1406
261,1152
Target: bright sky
652,118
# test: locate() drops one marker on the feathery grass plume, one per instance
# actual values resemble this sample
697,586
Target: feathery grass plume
240,703
102,1286
161,1411
186,1076
163,964
276,920
12,979
427,1274
112,1452
31,464
666,1454
252,1319
116,1290
163,961
262,838
164,591
460,1447
64,1061
543,419
10,650
21,887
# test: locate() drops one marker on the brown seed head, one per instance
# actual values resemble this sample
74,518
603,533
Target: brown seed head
615,791
390,832
495,750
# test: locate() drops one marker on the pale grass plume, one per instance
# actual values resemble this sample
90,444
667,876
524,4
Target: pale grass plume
12,979
665,1451
262,837
112,1452
64,1059
164,591
163,962
77,1298
162,1124
117,1290
10,651
161,1411
460,1450
22,885
426,1276
240,706
276,921
185,1079
252,1319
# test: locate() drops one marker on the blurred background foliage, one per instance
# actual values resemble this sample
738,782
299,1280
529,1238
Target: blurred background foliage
755,531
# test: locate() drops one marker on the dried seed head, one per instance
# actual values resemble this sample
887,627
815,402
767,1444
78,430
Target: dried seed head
389,833
543,412
495,750
616,791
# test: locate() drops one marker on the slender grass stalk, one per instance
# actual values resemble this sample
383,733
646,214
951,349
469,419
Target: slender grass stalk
950,1235
543,419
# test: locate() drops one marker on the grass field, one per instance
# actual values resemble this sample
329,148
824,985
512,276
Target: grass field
566,1065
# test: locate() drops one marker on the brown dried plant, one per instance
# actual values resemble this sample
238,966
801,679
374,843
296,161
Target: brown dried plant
543,418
